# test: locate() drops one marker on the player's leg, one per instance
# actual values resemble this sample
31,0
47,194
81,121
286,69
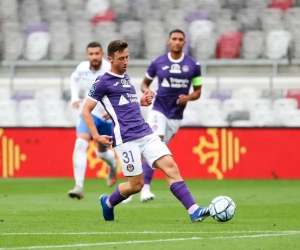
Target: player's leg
105,153
80,158
158,122
157,153
129,154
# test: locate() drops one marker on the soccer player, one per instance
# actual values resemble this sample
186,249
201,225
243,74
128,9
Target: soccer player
176,72
133,138
88,71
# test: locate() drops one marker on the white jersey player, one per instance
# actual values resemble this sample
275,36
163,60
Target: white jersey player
87,72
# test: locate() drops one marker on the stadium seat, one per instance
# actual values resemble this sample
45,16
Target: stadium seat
8,105
221,94
262,118
30,118
242,123
259,104
48,94
237,116
248,18
207,104
8,119
281,4
5,93
191,117
37,45
23,94
295,94
277,44
253,45
285,103
272,94
229,45
246,93
231,105
32,106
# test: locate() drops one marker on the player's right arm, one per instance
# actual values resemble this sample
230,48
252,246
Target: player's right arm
95,94
74,85
148,79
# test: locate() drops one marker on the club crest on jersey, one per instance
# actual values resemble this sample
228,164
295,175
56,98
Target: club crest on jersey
130,168
175,68
185,68
125,83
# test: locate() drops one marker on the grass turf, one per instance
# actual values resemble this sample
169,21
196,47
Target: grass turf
38,214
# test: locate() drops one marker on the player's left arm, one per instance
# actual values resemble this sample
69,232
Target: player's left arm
197,85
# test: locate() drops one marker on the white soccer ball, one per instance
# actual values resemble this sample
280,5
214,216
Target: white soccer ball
222,208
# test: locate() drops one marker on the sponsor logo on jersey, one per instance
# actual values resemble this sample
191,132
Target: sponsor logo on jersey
165,67
130,98
175,83
123,100
92,90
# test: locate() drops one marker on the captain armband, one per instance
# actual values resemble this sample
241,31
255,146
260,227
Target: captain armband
197,81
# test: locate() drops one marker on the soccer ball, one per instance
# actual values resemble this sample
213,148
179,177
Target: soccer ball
222,208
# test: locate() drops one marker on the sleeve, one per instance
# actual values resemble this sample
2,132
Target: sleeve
97,91
74,85
197,79
151,71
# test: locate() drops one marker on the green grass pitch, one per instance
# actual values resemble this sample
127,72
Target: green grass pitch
38,214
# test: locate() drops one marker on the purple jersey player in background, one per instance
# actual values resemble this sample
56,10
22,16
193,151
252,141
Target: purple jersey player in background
133,138
176,72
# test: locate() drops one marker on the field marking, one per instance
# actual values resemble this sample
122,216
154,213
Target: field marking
151,241
146,232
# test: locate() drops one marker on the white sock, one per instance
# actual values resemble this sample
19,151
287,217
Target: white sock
146,187
193,208
80,160
108,157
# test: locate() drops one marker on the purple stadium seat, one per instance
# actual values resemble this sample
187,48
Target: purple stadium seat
197,15
23,94
37,27
221,94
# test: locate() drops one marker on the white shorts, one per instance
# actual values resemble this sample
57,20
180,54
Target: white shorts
163,126
150,148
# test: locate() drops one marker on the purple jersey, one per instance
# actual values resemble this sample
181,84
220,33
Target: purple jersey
174,79
120,101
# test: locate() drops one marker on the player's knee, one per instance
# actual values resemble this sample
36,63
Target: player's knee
172,169
81,145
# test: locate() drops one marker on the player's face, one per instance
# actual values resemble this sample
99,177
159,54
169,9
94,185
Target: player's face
94,55
176,42
120,61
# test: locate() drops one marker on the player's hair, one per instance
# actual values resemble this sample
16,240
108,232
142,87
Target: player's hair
176,31
116,46
94,45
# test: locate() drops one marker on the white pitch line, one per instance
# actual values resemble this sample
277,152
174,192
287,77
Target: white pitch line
144,232
149,241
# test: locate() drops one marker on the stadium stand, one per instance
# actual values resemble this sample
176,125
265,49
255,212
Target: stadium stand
59,30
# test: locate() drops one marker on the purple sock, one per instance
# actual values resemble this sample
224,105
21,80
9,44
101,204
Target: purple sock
116,197
182,193
148,173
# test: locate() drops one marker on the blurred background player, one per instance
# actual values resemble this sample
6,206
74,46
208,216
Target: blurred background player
88,71
133,138
176,72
